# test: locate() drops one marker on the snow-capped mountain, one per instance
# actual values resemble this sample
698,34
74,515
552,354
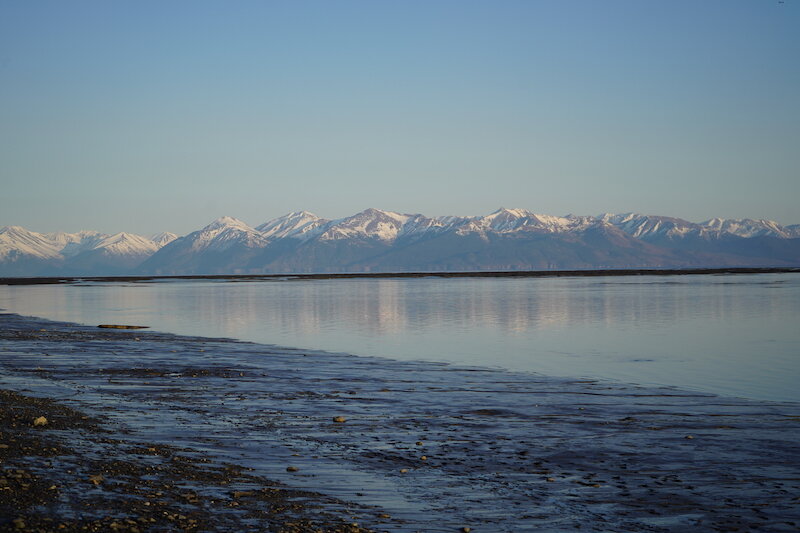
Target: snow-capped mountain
28,253
520,220
297,225
747,228
71,244
221,234
17,242
163,238
507,239
126,244
650,227
368,224
218,246
378,240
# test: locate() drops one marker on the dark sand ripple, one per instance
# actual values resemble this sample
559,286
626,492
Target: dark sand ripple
423,447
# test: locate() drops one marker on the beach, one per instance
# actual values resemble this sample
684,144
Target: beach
148,431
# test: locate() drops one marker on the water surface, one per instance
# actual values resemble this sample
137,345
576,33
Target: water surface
728,334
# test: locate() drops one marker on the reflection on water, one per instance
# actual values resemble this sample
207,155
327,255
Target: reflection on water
727,334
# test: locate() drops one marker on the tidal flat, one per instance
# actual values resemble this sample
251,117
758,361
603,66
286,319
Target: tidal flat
147,431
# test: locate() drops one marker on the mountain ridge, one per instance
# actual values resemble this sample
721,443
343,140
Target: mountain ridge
375,240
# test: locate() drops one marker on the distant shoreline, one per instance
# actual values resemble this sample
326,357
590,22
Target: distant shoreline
69,280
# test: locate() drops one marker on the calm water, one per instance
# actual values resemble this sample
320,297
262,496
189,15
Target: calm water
733,335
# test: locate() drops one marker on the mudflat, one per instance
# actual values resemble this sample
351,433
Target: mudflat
119,430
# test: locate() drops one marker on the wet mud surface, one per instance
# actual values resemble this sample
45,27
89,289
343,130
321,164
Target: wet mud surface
155,432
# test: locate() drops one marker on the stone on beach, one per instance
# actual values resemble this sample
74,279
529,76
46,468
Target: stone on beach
339,419
40,421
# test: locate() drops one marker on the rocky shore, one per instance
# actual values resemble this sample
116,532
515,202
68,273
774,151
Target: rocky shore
116,430
65,471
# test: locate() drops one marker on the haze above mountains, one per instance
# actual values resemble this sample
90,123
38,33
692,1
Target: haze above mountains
384,241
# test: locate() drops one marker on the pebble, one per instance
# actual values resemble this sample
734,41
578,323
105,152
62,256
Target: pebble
292,469
41,421
339,419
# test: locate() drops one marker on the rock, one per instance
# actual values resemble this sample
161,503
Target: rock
292,469
339,419
689,436
19,523
96,479
404,470
41,421
423,458
466,529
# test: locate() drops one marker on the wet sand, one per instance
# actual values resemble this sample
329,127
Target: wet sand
156,432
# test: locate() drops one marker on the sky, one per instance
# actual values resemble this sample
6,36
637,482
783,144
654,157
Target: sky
147,116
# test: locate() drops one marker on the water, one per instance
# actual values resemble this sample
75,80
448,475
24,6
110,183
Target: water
735,335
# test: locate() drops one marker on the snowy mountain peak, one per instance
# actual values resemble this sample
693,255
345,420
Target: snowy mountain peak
298,224
380,214
510,220
13,230
163,238
515,213
126,244
16,241
370,224
223,233
747,227
651,226
227,222
621,218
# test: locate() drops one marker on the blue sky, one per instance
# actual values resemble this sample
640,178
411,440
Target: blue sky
163,115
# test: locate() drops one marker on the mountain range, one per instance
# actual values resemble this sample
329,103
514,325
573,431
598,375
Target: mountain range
384,241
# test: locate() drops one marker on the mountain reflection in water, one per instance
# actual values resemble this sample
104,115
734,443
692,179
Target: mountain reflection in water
729,334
